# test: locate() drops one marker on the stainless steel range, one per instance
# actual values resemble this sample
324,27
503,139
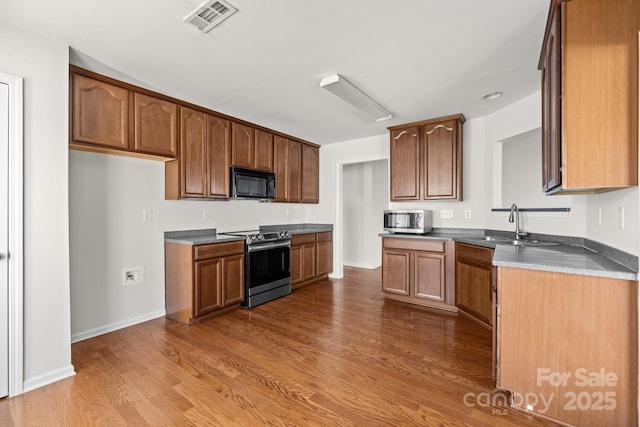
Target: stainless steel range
266,267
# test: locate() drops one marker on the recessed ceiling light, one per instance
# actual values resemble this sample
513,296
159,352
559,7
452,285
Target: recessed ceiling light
493,95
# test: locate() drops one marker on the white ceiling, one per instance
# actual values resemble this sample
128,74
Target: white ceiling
418,58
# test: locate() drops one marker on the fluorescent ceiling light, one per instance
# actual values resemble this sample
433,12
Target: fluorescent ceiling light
341,88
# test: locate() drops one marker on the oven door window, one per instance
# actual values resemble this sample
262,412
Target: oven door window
269,265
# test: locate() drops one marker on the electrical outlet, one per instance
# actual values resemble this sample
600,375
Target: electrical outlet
205,213
446,213
147,215
467,214
132,276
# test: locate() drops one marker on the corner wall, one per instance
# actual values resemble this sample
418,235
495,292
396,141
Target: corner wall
44,65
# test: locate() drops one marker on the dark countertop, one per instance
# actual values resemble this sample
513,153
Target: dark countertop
571,255
199,237
210,235
561,259
297,228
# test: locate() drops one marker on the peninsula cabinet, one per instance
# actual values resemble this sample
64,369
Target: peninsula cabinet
311,257
572,340
202,168
419,271
287,165
109,118
202,280
426,159
475,283
589,64
251,148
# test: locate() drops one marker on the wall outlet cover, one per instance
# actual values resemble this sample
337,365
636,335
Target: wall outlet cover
132,276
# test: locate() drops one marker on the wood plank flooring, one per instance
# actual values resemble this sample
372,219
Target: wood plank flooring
331,354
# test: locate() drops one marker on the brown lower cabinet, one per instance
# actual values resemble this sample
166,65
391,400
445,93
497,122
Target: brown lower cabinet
568,346
311,257
475,283
202,280
419,271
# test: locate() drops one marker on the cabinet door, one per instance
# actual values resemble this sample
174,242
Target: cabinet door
428,276
324,253
281,168
442,161
395,271
233,279
405,164
155,126
193,136
308,261
310,173
296,265
474,290
264,151
294,172
242,146
100,113
551,106
208,286
218,153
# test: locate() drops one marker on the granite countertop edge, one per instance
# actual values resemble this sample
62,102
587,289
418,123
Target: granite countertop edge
211,235
566,259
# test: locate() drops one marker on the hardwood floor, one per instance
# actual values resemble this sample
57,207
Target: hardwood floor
333,353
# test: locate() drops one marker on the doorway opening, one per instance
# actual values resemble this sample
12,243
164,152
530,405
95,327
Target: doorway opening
365,195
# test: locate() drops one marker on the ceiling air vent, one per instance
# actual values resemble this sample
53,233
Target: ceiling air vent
210,14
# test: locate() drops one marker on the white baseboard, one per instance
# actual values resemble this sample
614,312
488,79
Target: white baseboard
48,378
359,265
115,326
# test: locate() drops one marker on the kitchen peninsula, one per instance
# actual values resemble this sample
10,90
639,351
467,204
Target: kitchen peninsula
541,290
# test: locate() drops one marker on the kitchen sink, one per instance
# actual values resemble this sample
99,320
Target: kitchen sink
507,241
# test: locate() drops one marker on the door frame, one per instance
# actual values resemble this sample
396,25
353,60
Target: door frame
16,232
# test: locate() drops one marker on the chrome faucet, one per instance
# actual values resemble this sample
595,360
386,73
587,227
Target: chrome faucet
515,212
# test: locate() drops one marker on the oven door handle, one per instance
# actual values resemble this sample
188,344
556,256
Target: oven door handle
267,246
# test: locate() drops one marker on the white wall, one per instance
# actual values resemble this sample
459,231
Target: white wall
107,197
365,197
44,66
332,159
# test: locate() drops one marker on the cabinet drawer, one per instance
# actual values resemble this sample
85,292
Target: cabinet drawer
325,236
217,249
414,244
476,253
303,239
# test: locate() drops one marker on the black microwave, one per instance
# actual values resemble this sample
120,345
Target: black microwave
252,184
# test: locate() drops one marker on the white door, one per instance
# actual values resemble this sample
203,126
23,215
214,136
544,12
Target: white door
4,240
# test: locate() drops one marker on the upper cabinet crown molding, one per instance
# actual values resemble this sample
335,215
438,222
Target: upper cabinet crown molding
426,159
589,64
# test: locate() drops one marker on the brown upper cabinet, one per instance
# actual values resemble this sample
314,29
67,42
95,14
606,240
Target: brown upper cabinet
155,126
202,168
251,148
426,159
106,117
197,144
99,113
589,65
287,165
310,173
